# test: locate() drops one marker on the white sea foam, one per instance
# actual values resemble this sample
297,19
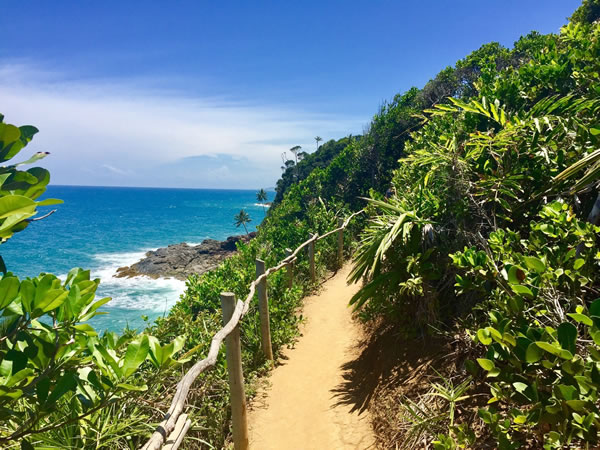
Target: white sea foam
120,259
138,293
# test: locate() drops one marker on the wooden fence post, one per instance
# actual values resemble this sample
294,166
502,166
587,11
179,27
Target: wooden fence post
311,259
290,269
340,249
233,352
263,310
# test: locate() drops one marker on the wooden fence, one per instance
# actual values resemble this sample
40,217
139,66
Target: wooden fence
175,424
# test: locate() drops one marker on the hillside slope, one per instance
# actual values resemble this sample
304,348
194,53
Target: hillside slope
461,182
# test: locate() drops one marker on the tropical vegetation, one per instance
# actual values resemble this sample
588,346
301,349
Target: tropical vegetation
491,237
56,373
242,219
482,203
261,197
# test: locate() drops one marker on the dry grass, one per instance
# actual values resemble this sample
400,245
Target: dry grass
392,378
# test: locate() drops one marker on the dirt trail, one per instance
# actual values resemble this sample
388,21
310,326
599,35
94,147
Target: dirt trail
306,407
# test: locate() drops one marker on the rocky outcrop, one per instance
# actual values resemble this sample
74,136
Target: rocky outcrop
181,260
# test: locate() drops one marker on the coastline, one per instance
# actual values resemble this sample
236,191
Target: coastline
181,260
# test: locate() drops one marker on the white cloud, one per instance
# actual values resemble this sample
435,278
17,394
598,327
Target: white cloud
125,132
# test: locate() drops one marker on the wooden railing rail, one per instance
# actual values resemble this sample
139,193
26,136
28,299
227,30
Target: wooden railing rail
175,424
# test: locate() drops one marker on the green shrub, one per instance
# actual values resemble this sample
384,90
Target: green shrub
541,333
487,199
56,373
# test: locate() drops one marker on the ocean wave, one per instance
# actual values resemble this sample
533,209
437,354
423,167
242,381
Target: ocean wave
120,259
138,293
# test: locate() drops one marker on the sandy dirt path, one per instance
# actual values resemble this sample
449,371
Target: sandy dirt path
303,407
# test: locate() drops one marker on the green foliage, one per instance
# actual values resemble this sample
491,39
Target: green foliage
395,258
588,12
310,161
542,352
57,375
53,362
483,199
486,149
451,394
475,166
198,314
19,190
242,218
261,196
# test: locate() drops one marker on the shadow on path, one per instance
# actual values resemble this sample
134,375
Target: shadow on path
385,357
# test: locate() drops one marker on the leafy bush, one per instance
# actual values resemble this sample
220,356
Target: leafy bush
473,203
541,333
487,224
56,373
19,190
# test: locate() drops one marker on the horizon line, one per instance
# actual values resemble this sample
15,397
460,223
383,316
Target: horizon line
269,189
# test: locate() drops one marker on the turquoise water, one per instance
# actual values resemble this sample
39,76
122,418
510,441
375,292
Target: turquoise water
104,228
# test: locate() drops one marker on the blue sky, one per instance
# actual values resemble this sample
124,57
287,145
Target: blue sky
209,94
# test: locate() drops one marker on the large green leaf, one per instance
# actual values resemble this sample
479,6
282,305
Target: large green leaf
567,336
68,382
516,275
131,387
102,355
8,133
484,336
595,308
15,204
535,264
27,292
550,348
565,392
9,394
533,353
27,132
135,355
51,299
50,201
90,311
9,289
581,318
486,364
85,328
555,350
522,290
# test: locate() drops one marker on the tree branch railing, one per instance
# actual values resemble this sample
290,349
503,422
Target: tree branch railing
173,427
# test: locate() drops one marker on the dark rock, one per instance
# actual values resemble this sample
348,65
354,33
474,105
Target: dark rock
181,260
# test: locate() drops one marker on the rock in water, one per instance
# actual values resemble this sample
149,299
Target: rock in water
181,260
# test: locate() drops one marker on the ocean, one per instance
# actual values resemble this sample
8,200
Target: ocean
104,228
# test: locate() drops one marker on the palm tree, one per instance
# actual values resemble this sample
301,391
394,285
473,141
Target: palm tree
242,218
295,151
318,139
261,196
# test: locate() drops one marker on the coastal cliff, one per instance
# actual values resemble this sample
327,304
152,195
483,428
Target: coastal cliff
181,260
